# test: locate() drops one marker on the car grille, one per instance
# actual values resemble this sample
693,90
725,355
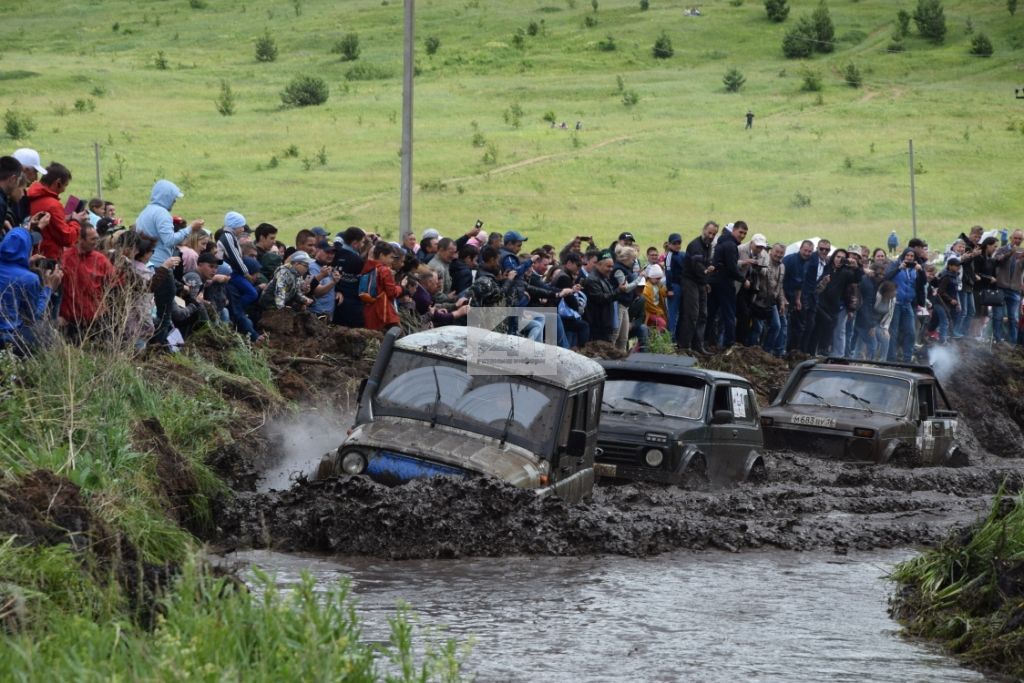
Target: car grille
620,453
833,446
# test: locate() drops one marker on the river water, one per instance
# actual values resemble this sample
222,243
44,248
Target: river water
765,616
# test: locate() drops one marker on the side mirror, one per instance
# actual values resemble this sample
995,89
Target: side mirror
722,417
773,393
577,445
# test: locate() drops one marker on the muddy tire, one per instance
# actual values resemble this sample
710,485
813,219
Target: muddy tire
958,458
696,474
325,469
906,455
758,473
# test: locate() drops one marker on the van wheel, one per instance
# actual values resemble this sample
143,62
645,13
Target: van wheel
696,474
958,458
758,472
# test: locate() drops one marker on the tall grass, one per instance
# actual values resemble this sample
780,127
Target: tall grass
212,629
969,592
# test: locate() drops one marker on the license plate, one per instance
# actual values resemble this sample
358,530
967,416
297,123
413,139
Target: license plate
604,470
813,421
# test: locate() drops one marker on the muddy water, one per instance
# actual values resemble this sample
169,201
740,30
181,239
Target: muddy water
768,616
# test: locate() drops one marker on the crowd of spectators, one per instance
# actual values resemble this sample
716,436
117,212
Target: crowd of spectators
64,264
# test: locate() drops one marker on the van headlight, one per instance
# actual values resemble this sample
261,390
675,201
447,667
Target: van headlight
654,457
353,462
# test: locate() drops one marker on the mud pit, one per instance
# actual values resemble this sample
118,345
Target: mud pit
804,504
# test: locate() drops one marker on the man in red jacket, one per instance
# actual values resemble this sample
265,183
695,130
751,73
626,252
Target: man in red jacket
44,195
87,273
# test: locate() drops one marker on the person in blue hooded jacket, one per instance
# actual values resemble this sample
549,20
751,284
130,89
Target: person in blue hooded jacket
156,222
23,296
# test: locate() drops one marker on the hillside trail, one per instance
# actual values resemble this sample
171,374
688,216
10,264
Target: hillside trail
362,203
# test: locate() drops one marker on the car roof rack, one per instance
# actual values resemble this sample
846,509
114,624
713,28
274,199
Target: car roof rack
913,367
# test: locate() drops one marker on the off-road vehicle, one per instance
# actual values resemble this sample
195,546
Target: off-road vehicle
443,402
868,412
664,420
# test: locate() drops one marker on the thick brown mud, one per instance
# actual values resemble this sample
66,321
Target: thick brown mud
805,504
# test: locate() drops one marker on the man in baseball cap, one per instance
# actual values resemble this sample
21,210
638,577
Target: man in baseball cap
33,169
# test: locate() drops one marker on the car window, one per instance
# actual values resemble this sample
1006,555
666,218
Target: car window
641,396
740,405
853,390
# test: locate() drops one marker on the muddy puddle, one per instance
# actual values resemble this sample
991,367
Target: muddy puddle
713,616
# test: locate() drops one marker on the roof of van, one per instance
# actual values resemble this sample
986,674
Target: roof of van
489,352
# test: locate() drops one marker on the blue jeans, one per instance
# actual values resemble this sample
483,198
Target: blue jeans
867,343
241,295
965,314
674,302
903,332
943,319
1012,300
839,334
775,340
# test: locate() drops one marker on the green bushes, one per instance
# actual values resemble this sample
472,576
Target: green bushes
367,71
18,124
733,80
662,47
226,100
981,45
852,76
305,91
777,10
812,33
432,44
347,47
930,20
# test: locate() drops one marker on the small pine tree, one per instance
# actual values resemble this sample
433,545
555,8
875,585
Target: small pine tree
798,43
160,61
304,91
663,47
903,19
226,100
645,5
981,46
777,10
930,20
348,47
824,30
266,48
852,76
811,80
733,80
432,43
1011,6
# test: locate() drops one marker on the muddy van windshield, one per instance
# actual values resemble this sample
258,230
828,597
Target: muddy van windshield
477,403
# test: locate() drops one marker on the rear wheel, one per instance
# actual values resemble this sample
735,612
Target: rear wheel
758,472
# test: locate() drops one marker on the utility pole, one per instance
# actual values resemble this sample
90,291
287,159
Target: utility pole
913,200
96,154
405,210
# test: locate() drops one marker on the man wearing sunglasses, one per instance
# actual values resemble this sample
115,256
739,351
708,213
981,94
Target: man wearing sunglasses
817,268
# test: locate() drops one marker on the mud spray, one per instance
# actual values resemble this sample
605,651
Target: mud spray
298,442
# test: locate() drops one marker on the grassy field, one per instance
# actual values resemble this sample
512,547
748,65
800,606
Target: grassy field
831,163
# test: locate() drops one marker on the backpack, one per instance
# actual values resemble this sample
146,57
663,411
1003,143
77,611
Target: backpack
368,292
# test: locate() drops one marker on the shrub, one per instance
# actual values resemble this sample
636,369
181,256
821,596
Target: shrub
550,117
590,21
365,71
160,61
798,42
630,98
663,47
266,48
347,47
304,91
645,5
478,139
930,20
824,31
197,4
518,41
1011,6
607,45
533,28
896,46
811,80
431,44
853,76
226,100
981,45
514,115
777,10
490,156
800,201
17,124
903,20
733,80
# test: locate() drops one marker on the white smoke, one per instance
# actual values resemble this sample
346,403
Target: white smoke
299,441
944,360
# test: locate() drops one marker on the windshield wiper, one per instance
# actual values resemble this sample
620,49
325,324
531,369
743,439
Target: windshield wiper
814,395
511,415
641,402
855,397
437,398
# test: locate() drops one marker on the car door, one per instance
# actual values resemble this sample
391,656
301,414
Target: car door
728,441
936,427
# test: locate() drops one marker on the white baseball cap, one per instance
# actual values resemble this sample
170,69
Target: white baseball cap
29,157
759,240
